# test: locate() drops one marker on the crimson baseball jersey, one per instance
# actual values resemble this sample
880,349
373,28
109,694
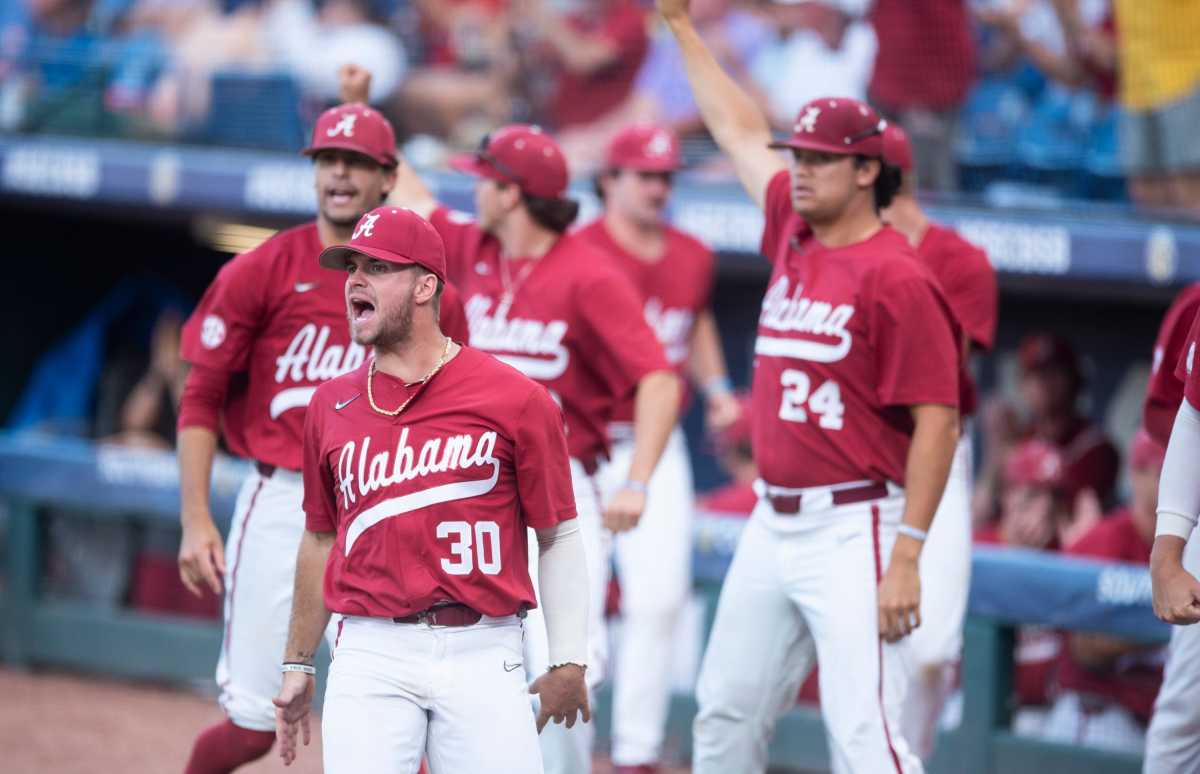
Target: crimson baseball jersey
968,281
848,338
1187,370
1165,390
674,288
277,316
274,316
568,321
1134,679
434,504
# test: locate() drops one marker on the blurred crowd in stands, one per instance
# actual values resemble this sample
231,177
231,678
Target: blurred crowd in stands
1026,98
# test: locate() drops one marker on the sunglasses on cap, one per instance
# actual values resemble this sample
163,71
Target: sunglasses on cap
490,159
874,130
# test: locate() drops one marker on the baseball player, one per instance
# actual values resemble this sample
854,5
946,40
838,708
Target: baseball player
855,423
269,329
1173,739
423,470
548,304
1164,393
968,281
674,274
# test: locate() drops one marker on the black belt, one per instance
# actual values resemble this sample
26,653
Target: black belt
792,505
450,614
266,470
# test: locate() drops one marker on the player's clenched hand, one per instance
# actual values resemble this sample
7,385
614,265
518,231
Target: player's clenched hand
201,555
624,510
292,707
899,599
721,411
563,693
1176,591
354,83
672,8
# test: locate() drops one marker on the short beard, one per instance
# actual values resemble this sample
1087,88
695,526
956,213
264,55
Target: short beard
394,329
344,223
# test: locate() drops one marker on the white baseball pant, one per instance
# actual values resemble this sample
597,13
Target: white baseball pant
1173,739
798,583
260,571
456,695
654,563
936,645
570,751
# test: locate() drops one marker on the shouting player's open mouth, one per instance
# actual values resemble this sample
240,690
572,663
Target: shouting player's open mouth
361,310
340,195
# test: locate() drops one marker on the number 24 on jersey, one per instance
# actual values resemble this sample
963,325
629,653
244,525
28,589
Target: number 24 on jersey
799,400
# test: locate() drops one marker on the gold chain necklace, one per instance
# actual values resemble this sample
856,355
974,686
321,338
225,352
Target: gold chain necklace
510,286
371,372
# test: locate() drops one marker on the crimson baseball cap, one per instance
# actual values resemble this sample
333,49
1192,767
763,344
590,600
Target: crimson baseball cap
897,150
837,125
521,154
1035,463
355,128
395,235
645,148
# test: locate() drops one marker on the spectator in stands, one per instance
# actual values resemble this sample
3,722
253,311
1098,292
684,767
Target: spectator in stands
826,45
662,92
464,84
1051,383
734,452
923,70
1107,685
147,407
594,52
1160,94
312,43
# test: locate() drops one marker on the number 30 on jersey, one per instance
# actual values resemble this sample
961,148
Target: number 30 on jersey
799,400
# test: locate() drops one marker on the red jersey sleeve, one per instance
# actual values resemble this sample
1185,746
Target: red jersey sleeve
461,237
1188,369
320,505
1165,389
971,291
225,323
626,347
203,397
453,317
914,337
777,207
543,471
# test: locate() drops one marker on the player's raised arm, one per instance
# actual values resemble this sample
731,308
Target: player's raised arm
1177,591
410,191
731,115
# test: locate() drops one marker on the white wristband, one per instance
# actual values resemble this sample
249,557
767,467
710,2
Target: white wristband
912,532
293,666
719,385
635,486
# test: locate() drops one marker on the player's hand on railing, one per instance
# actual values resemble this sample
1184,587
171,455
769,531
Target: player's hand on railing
354,83
1176,591
721,410
292,707
624,511
201,554
672,8
563,694
899,599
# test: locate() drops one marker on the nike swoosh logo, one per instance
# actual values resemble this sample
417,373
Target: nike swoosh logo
510,668
304,287
341,404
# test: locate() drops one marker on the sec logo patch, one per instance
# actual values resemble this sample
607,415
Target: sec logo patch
212,332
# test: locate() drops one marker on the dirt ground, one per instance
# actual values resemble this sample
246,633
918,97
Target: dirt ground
56,723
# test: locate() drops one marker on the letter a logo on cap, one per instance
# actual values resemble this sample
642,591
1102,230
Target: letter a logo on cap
808,121
344,126
366,226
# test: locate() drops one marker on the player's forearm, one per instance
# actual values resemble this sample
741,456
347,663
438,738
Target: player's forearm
730,114
563,583
196,448
656,409
1179,487
706,365
309,614
927,467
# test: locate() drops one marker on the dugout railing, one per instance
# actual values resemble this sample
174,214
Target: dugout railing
82,480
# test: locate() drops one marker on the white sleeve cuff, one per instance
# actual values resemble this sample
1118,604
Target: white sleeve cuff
563,583
1179,485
